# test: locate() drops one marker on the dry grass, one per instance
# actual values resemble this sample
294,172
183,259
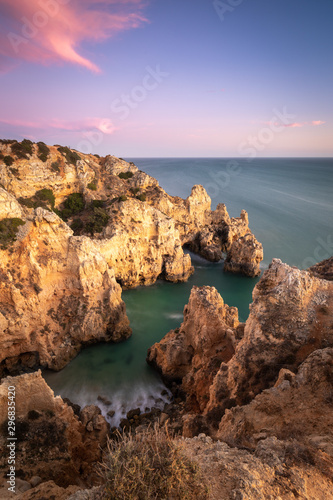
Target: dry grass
150,465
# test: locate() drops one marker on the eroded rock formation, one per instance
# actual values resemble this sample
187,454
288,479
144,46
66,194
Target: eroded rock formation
73,227
53,444
290,318
193,353
57,294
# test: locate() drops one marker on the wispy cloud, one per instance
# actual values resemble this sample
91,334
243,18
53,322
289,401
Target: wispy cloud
85,125
313,123
49,31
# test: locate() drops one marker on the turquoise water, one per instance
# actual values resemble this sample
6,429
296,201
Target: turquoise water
290,206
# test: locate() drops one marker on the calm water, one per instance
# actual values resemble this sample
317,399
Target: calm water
290,206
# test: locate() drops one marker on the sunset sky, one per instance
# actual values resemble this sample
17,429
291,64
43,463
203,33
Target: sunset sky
169,78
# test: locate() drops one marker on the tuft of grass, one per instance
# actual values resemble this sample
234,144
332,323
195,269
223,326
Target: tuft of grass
142,197
149,465
92,186
8,231
125,175
71,156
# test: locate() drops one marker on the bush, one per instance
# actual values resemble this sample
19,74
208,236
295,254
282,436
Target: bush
149,465
135,190
43,149
43,157
123,197
77,225
92,186
97,221
22,149
8,231
125,175
46,195
8,160
142,197
74,203
71,156
97,204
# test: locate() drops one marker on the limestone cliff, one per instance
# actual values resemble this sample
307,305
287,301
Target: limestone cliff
290,318
193,353
53,443
57,294
110,188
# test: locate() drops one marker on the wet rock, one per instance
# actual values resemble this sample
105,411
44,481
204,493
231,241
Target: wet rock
132,413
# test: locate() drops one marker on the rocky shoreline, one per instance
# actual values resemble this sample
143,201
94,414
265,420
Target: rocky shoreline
74,230
251,402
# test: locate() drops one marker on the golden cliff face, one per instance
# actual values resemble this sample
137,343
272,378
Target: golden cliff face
75,227
290,318
57,294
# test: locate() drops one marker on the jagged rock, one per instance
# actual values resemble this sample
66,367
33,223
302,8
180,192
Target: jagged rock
193,353
323,270
9,207
290,317
297,410
55,445
142,244
244,256
272,473
57,294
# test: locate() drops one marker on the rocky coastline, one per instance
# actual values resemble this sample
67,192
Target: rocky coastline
251,402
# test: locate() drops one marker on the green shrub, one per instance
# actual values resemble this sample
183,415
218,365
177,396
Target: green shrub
8,141
135,190
97,221
97,156
43,149
123,197
92,186
150,465
74,203
27,202
8,231
1,157
77,225
125,175
8,160
22,149
97,204
142,197
42,157
43,198
46,195
55,166
71,156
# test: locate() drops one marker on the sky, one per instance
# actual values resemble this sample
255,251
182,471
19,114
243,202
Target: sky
175,78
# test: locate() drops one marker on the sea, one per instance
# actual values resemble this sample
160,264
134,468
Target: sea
290,207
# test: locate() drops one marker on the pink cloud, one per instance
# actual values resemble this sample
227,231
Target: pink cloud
104,125
49,31
314,123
